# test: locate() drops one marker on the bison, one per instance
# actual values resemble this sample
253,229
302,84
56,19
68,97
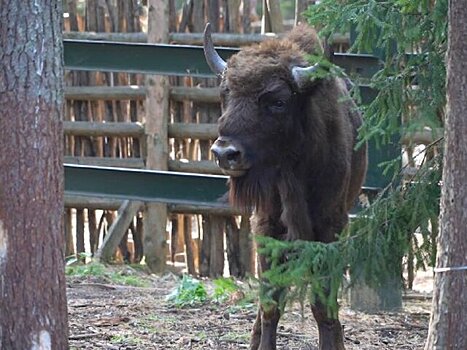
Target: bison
287,141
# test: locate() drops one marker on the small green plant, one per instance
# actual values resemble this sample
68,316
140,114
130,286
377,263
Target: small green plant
223,288
125,339
123,277
120,277
93,269
189,292
76,259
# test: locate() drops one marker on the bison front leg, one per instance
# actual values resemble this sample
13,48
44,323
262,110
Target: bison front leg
255,340
264,333
330,330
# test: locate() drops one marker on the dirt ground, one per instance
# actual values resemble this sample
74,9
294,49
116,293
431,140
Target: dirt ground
105,315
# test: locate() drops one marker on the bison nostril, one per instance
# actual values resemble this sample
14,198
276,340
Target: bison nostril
233,156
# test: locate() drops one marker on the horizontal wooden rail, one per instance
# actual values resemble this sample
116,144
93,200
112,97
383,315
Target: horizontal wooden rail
107,36
194,209
132,163
193,166
134,92
423,137
202,131
220,39
200,167
77,201
109,93
120,129
198,94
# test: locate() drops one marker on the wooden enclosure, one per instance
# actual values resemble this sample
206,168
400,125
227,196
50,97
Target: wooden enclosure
147,122
108,124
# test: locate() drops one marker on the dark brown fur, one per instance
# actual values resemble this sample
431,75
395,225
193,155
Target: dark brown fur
304,175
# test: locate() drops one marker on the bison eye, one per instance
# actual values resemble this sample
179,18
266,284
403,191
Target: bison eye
277,105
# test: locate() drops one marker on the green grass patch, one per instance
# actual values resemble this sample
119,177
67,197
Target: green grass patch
192,292
125,339
223,289
126,276
86,270
189,292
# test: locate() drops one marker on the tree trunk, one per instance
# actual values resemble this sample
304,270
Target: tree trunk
69,245
448,326
300,7
233,247
275,16
32,284
80,234
155,215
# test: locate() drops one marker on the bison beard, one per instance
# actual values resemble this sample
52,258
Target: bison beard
253,190
288,143
262,190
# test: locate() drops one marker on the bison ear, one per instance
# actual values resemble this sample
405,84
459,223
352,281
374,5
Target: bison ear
303,76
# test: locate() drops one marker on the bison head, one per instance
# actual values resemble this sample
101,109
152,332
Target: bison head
263,117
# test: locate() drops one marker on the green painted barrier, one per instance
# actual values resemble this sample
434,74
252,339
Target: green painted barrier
180,60
145,185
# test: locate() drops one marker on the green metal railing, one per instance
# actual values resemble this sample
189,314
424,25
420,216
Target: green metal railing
172,187
173,59
146,185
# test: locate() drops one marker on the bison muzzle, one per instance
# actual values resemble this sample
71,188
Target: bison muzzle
287,140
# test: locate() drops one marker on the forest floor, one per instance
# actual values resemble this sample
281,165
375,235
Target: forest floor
126,308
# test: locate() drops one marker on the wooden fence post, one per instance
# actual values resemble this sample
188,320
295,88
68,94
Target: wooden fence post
155,215
120,226
272,17
300,7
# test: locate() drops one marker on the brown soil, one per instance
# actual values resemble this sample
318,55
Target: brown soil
103,315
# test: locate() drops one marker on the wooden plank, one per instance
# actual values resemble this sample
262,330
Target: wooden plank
134,163
193,166
202,131
125,215
198,94
108,93
425,137
219,39
135,92
119,129
76,201
137,37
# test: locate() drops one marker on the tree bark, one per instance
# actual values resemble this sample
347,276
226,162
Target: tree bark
275,16
448,326
155,215
32,284
300,7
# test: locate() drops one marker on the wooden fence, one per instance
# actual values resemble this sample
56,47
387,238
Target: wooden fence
105,125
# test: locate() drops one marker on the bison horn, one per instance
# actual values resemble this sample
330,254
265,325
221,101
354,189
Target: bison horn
301,75
215,62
